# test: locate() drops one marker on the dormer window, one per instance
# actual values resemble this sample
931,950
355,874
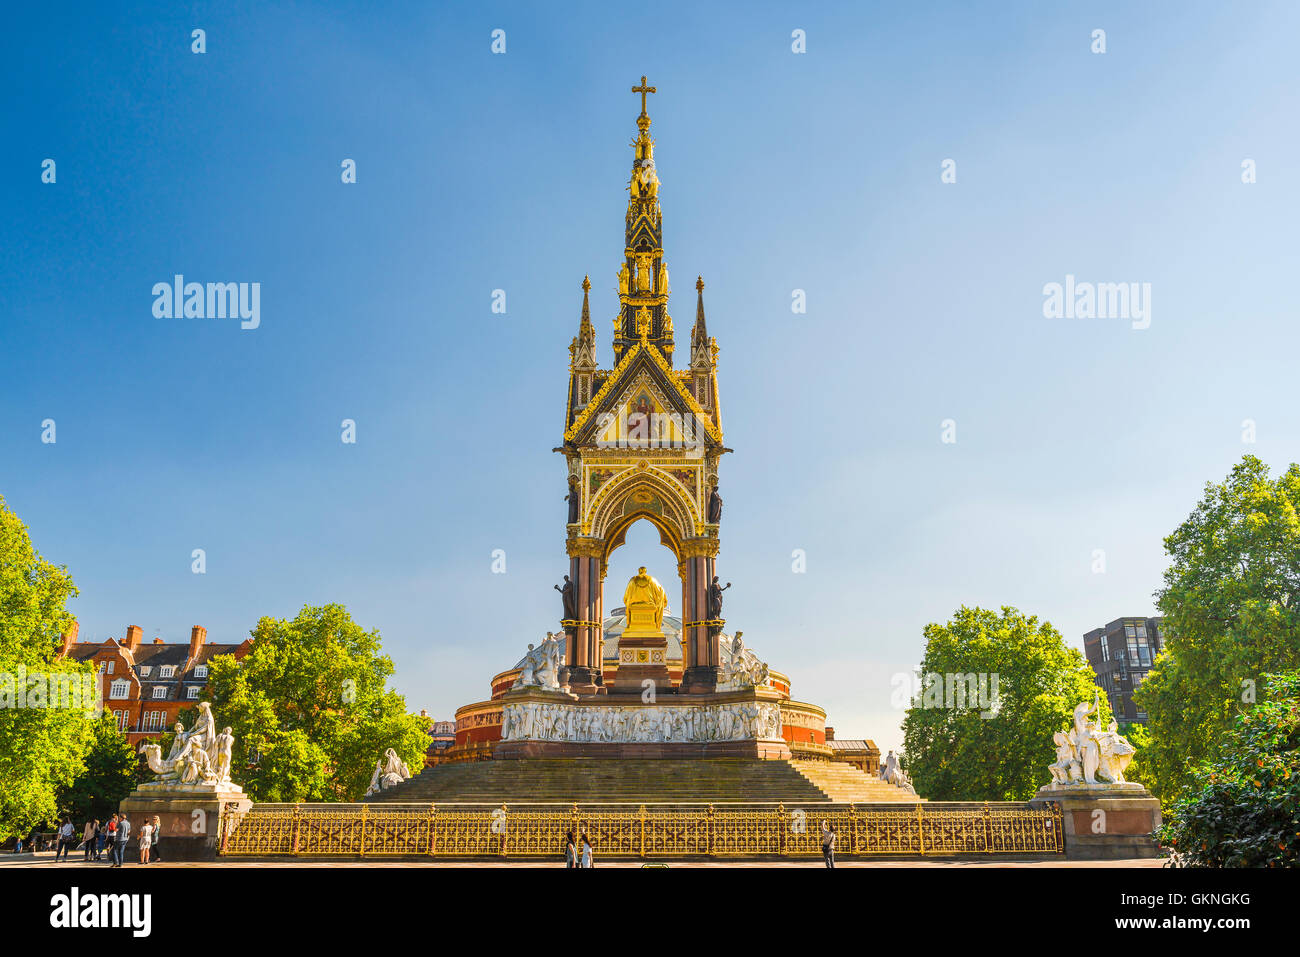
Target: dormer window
192,692
200,671
159,691
167,671
144,671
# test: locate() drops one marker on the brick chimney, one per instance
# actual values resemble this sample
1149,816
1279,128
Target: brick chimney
133,635
69,638
157,641
197,636
830,734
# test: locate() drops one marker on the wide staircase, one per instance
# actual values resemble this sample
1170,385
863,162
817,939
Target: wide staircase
602,780
845,784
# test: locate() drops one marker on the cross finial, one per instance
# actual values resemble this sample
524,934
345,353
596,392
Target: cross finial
643,90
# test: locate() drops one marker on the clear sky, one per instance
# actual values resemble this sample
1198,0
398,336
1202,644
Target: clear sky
780,171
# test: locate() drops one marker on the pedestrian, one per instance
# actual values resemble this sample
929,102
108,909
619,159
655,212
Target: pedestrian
586,852
110,837
146,831
65,839
88,838
828,845
18,845
123,835
101,834
570,851
153,840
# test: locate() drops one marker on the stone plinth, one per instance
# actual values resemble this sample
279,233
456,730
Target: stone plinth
642,653
189,816
1105,821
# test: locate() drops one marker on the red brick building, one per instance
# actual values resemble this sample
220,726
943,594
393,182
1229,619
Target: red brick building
145,686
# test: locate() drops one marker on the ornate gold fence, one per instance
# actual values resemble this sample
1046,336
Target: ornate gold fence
640,831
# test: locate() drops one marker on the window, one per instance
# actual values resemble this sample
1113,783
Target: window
144,671
119,689
167,671
1137,677
159,692
1105,650
1130,631
153,720
1139,652
192,692
111,665
200,671
1141,630
122,722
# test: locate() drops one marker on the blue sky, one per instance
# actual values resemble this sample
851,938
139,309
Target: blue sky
817,171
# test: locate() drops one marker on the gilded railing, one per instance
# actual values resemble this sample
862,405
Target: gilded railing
638,830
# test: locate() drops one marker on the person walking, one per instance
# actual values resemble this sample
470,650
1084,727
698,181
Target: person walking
65,839
110,837
570,851
101,834
119,842
146,831
88,838
154,855
586,852
828,845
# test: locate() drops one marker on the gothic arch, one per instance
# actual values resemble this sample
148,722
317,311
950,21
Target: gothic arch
643,493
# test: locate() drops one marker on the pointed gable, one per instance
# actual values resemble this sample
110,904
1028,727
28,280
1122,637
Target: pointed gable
643,382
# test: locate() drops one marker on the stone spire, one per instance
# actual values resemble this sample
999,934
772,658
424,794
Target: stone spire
582,351
643,277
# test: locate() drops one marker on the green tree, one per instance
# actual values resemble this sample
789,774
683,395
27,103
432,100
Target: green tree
109,775
1241,810
1000,753
1231,606
310,709
41,747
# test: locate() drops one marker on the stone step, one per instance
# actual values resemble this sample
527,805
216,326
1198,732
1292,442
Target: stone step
590,780
844,783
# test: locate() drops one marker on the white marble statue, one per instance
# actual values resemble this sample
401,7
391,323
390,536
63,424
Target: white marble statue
1084,753
199,756
541,666
390,770
742,668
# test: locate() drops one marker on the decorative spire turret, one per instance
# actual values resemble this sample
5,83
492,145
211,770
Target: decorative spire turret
643,278
582,352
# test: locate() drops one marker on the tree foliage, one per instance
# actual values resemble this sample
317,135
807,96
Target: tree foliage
310,709
959,754
109,775
41,748
1231,606
1243,809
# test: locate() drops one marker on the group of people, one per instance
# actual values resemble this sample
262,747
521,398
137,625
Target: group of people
111,836
575,858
